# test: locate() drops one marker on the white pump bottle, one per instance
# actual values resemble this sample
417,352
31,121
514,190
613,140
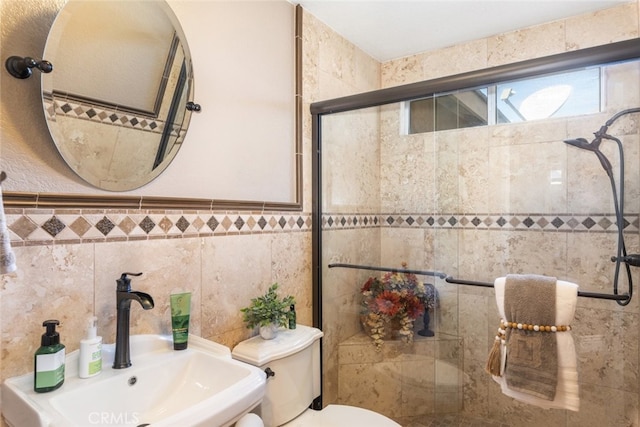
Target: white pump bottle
90,357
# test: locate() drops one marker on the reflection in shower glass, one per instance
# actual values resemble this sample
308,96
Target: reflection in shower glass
449,111
558,95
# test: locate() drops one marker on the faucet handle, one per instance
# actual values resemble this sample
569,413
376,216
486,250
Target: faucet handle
124,283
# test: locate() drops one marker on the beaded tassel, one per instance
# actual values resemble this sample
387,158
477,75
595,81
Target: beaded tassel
493,363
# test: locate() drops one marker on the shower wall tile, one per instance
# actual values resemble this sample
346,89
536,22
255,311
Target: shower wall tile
403,70
477,389
532,42
351,168
607,348
426,376
473,321
446,174
474,173
589,265
528,177
374,386
604,406
613,24
454,59
405,246
407,168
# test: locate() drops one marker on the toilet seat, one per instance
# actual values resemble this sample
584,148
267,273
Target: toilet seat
341,416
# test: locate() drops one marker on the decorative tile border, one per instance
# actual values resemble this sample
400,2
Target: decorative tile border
82,110
530,222
46,226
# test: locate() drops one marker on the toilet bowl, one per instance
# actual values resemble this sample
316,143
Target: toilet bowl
341,416
292,363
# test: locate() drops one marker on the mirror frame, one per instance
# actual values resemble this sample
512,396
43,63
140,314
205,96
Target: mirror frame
17,199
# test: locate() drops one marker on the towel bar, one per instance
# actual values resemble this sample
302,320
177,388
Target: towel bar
450,279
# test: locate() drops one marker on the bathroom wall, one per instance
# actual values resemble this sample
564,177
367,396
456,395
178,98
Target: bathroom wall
469,179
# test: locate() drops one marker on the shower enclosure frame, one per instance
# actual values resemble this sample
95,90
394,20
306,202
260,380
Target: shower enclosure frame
599,55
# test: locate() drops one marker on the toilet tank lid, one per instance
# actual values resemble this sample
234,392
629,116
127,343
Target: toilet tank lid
258,351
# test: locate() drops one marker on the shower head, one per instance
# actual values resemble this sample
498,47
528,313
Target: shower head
580,143
595,147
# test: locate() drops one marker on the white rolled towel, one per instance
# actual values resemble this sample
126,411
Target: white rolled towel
250,420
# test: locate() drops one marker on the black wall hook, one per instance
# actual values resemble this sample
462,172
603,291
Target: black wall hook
20,67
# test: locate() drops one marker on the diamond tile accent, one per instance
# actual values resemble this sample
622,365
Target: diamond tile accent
147,224
589,223
226,223
605,223
80,226
23,227
213,223
182,224
53,226
105,225
251,222
573,223
262,223
239,223
127,225
165,224
198,223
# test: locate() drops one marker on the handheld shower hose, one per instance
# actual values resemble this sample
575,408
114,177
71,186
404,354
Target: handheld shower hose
618,202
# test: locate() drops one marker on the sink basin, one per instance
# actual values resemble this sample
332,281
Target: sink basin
199,386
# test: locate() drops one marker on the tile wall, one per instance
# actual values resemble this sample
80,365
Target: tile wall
478,204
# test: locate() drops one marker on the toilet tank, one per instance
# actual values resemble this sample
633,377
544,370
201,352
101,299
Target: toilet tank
294,357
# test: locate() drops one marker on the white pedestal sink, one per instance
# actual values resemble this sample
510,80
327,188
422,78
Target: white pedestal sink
199,386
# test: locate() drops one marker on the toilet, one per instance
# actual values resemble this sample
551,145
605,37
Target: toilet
292,363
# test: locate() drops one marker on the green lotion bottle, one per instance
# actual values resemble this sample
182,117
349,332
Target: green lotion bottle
48,372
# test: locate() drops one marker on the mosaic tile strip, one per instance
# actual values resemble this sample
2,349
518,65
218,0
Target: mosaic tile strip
85,111
537,222
34,226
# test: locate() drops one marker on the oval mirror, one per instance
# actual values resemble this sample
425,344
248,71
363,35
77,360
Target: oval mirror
115,103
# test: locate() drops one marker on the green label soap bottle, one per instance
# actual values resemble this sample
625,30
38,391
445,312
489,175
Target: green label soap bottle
49,360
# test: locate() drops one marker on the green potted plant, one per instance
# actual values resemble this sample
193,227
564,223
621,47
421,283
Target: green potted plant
268,311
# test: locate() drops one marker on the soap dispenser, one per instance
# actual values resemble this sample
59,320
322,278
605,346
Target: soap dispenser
90,358
48,372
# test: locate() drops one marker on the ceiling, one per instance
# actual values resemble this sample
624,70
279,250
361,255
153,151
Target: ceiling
391,29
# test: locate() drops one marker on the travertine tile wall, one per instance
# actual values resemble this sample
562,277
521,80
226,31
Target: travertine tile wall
481,205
